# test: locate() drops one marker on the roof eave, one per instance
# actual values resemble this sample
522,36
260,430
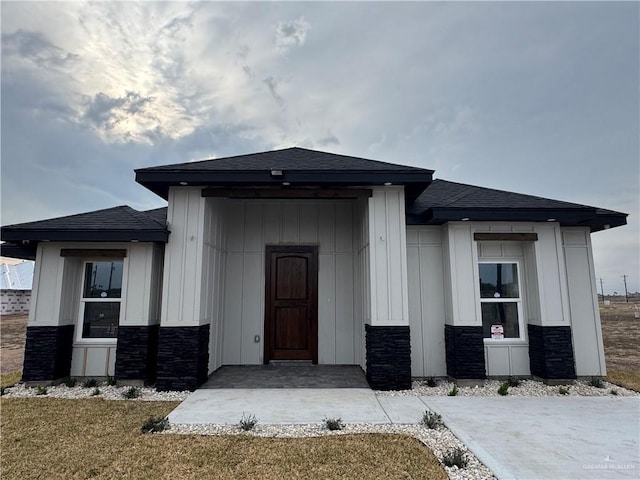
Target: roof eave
160,181
86,235
587,217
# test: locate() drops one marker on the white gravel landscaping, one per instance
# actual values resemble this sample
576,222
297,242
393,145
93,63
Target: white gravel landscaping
526,388
108,392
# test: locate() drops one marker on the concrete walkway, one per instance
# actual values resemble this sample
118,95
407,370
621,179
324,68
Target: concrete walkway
516,437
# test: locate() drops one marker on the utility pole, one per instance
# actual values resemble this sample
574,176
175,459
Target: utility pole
626,293
602,290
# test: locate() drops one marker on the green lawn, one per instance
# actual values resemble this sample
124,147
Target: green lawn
49,438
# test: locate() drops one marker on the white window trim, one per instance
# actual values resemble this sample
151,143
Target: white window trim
80,340
519,301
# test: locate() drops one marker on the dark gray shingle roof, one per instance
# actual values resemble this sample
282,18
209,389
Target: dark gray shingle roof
294,158
121,223
444,201
299,167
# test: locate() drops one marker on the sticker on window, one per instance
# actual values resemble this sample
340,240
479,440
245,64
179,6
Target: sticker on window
497,332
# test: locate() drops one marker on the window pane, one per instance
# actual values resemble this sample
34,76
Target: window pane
103,280
101,319
503,317
499,280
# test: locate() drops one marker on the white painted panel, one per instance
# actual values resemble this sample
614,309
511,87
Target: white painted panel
520,360
585,325
344,310
497,360
96,362
430,236
308,223
235,231
326,309
135,307
326,232
412,236
577,237
252,309
71,287
77,362
233,303
491,249
47,284
512,249
253,223
416,318
344,227
464,274
431,275
551,278
290,223
111,364
272,221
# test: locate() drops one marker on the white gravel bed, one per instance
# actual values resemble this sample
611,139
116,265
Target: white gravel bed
108,392
440,441
527,388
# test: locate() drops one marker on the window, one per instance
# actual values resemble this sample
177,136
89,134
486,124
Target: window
500,300
100,303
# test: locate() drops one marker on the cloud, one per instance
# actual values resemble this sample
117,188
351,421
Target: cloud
272,85
290,34
328,139
106,112
34,46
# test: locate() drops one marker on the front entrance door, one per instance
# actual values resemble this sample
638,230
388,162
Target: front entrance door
291,307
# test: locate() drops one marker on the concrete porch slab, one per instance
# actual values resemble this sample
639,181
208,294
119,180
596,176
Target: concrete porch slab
280,406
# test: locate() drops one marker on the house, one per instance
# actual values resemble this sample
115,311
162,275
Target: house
16,277
301,255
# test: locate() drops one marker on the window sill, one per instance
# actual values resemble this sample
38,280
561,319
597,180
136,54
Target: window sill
96,342
506,341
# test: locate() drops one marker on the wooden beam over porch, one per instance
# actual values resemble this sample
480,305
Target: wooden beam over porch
288,193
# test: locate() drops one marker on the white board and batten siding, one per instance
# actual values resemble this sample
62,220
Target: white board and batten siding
426,300
583,302
252,224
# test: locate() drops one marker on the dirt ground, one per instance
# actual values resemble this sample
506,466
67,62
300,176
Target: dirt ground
12,335
621,335
620,330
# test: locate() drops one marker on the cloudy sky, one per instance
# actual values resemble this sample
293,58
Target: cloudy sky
538,98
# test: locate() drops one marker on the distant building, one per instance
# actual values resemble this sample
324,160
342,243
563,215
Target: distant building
16,278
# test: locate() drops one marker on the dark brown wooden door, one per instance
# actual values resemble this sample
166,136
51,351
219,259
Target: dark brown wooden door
291,310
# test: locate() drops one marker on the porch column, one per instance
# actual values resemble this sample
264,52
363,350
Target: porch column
137,349
49,342
183,353
550,337
464,343
388,342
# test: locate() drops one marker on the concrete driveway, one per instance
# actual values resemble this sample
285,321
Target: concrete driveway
548,438
553,438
